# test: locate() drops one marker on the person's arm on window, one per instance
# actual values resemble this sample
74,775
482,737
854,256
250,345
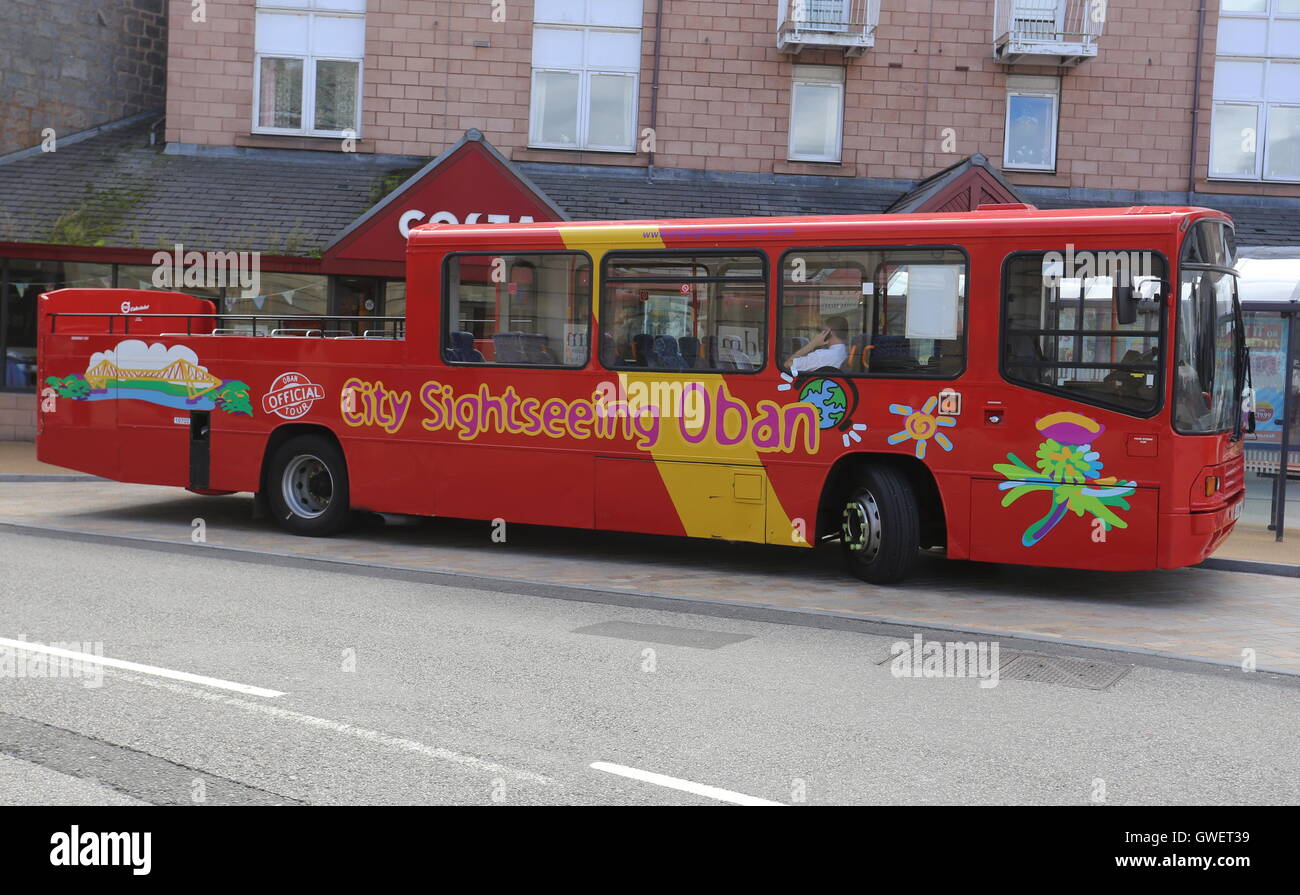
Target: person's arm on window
818,341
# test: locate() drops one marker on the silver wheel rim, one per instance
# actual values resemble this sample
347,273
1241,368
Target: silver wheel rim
307,486
860,528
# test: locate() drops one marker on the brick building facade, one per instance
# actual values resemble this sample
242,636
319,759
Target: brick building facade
927,92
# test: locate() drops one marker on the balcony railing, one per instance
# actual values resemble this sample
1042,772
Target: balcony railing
1047,32
848,25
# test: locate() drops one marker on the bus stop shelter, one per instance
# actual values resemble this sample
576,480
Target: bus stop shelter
1270,297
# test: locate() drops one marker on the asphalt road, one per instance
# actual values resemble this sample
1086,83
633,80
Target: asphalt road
395,691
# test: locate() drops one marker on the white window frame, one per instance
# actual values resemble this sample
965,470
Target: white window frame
806,79
1032,87
585,74
1260,131
306,10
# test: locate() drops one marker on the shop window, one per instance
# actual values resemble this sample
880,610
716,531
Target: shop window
888,312
586,74
395,298
684,311
21,284
307,74
1062,333
518,310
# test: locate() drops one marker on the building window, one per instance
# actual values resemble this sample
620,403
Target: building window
1032,104
816,113
586,72
307,73
1255,131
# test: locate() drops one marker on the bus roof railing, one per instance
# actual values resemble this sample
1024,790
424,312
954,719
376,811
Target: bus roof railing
319,325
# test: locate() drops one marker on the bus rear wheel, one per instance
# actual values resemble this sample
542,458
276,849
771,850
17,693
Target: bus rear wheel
880,527
307,486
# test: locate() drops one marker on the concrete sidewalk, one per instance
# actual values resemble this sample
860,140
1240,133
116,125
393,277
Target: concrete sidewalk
1251,548
19,458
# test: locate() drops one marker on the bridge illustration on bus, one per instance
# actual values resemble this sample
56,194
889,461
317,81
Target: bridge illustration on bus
170,377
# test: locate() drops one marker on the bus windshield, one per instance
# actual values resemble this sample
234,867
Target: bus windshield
1211,344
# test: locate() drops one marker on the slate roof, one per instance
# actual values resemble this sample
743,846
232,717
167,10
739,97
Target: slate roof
1256,224
592,193
147,199
297,203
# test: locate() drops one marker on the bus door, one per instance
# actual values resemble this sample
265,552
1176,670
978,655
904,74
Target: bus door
1078,452
516,331
681,334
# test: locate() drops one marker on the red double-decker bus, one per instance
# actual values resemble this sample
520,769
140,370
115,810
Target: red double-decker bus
1055,388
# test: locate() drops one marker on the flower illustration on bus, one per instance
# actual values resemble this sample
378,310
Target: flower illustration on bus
922,426
1070,471
157,374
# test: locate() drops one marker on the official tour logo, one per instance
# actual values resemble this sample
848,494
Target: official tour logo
291,395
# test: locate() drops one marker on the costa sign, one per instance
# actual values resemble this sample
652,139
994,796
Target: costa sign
291,395
415,216
471,183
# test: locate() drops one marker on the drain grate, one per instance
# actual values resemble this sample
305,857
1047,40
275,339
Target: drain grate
1064,671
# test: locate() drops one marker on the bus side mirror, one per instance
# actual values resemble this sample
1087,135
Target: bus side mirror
1126,305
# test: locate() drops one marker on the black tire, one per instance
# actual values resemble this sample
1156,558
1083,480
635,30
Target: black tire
307,487
880,526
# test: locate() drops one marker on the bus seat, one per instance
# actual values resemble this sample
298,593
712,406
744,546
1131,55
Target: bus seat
667,355
508,348
690,351
463,350
859,350
642,349
890,353
536,350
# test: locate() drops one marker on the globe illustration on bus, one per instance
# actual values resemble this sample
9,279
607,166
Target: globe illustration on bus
829,399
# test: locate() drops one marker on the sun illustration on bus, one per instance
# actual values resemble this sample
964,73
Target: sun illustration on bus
921,426
834,400
1070,471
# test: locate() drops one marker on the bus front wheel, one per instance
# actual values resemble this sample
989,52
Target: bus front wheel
307,486
880,527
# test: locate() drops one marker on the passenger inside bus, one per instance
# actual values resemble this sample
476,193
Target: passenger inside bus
825,350
903,311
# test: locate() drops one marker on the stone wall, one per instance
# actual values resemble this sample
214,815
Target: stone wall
71,65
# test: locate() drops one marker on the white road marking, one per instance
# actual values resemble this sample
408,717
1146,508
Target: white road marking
91,659
699,789
361,733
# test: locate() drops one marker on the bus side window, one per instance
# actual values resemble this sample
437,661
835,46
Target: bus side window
904,309
1061,330
518,310
679,311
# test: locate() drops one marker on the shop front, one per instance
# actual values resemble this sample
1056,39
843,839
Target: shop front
360,273
1270,294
